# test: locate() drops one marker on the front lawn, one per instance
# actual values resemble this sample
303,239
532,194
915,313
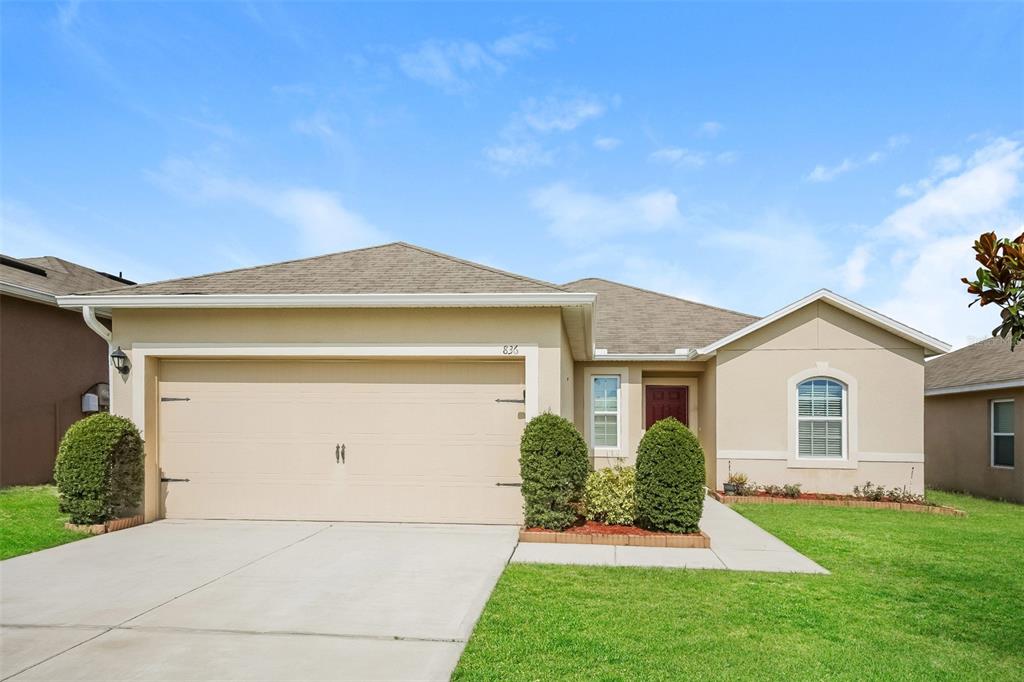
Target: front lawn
30,521
911,597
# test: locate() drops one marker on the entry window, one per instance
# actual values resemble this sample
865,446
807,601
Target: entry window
605,425
821,419
1002,433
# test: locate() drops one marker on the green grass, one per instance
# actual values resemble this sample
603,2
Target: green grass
30,521
911,597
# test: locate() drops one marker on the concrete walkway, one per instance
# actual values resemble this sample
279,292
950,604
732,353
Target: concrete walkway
249,600
736,545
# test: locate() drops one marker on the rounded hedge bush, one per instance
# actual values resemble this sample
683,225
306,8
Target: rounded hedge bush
100,469
611,495
669,478
554,464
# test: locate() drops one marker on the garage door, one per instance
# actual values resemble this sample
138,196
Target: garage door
428,441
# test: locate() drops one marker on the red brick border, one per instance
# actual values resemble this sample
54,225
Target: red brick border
864,504
108,527
684,541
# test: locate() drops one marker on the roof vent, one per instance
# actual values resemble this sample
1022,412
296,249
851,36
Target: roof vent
18,265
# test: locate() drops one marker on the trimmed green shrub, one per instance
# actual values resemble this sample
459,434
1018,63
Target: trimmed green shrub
554,464
669,478
611,495
100,469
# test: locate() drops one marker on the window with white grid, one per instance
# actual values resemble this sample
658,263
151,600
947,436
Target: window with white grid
605,402
821,419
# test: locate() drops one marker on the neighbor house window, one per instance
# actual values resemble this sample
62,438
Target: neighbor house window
821,419
1002,433
605,423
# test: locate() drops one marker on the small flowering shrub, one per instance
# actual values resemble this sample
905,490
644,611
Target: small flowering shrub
610,496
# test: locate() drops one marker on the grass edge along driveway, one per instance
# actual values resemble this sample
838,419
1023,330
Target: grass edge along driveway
911,597
30,520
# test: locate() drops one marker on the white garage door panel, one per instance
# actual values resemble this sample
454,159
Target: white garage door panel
424,440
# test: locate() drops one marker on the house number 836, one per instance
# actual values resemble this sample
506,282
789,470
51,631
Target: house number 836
510,350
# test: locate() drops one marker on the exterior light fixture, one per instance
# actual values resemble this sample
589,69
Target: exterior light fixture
120,361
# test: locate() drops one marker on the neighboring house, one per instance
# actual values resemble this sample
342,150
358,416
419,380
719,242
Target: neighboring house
48,359
973,409
392,384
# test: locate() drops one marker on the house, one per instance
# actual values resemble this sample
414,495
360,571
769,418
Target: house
392,384
974,406
48,360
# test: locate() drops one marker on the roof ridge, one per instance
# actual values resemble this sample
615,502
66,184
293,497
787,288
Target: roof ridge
480,266
248,267
664,295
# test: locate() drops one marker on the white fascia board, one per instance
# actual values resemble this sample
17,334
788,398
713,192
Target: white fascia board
556,299
973,388
28,294
932,345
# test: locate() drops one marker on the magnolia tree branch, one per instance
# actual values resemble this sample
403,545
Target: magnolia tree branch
1000,281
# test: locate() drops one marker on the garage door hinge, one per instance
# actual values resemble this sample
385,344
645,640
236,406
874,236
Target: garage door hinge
174,400
512,400
509,485
164,479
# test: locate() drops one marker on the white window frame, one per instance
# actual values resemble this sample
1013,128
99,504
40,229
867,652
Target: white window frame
617,413
844,421
992,433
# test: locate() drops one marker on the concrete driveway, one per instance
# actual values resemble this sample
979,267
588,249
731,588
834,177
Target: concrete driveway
214,600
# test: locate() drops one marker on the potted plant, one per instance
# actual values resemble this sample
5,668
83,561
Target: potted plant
735,484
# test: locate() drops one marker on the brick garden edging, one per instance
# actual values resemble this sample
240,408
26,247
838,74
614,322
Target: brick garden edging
107,527
863,504
687,541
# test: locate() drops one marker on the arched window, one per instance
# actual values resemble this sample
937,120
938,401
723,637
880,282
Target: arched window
821,419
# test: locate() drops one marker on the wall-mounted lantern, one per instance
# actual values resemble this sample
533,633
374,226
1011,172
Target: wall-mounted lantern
120,361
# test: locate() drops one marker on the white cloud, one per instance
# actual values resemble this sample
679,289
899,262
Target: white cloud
679,156
710,129
580,217
826,173
688,158
451,64
521,44
977,198
323,223
854,267
606,144
520,145
514,155
930,240
560,114
941,167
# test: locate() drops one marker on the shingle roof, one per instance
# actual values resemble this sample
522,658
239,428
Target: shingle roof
396,268
58,277
633,320
984,362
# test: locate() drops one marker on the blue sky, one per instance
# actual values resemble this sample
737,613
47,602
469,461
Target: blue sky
740,155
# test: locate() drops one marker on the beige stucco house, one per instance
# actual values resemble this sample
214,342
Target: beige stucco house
974,406
392,384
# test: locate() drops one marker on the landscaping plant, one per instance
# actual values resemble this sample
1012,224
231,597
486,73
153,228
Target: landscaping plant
611,495
791,490
669,478
100,469
554,464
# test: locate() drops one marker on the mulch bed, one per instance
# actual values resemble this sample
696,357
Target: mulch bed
830,500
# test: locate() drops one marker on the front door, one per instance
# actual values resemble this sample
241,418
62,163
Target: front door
667,401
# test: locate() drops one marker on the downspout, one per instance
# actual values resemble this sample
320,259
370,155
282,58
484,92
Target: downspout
89,315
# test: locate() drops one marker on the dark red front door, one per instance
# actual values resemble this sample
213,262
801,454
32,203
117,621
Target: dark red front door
667,401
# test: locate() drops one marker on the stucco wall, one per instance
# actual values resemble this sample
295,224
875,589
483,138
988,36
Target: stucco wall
568,380
48,359
756,426
957,446
439,326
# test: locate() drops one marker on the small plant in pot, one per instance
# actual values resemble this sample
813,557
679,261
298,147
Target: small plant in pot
736,484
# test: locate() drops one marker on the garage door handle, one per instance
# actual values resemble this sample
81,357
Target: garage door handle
339,453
